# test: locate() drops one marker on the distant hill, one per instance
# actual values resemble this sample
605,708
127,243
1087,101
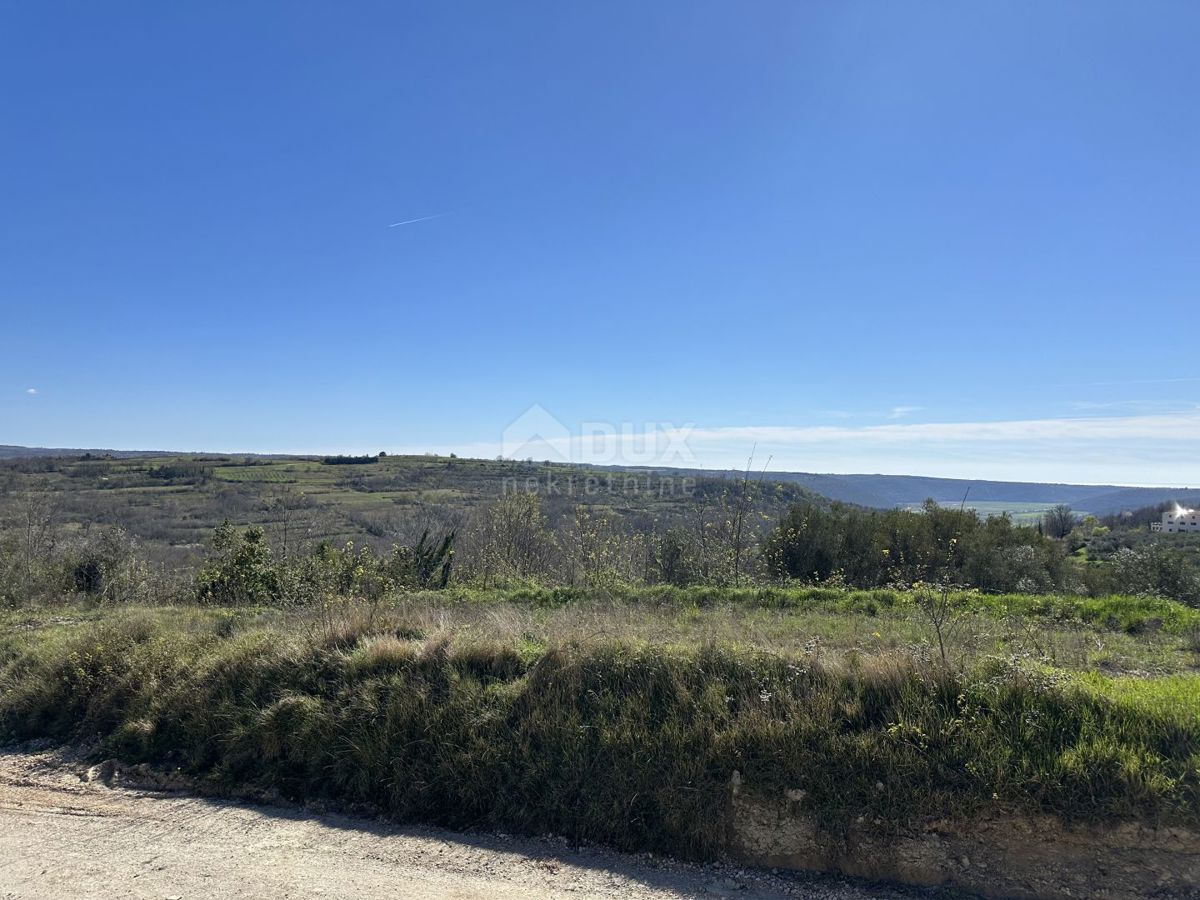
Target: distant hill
13,451
886,491
1024,499
879,491
1126,499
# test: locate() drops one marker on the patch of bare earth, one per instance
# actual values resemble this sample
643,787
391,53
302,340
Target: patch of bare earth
70,830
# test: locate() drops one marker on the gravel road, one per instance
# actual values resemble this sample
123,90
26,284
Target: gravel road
67,831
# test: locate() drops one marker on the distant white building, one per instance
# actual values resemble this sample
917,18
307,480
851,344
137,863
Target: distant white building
1178,519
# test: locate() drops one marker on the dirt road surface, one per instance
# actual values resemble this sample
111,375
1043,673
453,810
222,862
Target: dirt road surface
69,831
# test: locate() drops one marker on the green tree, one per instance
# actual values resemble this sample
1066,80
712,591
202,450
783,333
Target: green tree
240,569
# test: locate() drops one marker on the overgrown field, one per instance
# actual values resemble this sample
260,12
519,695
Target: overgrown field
171,504
623,718
283,531
511,648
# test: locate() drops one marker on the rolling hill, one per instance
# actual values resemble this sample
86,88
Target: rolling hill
886,491
872,490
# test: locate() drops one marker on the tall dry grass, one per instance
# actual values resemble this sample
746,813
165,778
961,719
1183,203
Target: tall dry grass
593,726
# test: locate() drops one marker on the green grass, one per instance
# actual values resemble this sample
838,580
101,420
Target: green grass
266,474
1023,512
1171,696
1134,615
1109,635
621,723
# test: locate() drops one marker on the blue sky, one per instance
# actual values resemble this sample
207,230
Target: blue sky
936,238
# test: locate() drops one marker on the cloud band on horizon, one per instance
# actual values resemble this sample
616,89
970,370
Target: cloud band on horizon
1144,449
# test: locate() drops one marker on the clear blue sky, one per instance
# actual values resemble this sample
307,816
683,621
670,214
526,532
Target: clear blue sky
855,232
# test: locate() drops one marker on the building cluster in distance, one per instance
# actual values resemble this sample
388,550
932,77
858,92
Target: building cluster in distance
1178,519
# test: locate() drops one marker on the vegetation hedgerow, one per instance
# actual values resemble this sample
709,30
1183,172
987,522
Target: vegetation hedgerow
626,743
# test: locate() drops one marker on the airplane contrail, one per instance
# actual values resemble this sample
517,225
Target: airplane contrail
420,219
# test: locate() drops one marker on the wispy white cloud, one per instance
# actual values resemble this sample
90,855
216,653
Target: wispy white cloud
31,391
900,412
1129,407
1132,449
1130,382
1184,426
